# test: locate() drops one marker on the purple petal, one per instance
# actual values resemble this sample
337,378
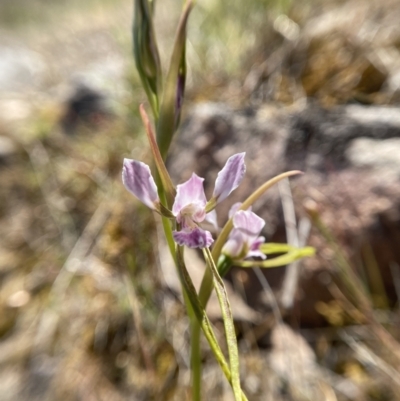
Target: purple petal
234,246
229,177
234,208
248,222
196,238
256,254
257,243
244,241
191,192
255,248
138,180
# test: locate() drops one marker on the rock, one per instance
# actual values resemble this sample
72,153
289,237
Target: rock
7,148
348,155
85,105
20,68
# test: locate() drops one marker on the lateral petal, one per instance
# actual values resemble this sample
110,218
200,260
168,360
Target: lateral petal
229,177
137,179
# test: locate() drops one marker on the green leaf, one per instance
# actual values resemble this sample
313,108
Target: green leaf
282,260
228,324
272,247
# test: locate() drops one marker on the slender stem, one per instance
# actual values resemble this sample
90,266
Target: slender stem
223,267
195,360
166,222
224,264
195,337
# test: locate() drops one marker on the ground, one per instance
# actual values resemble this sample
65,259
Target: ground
86,312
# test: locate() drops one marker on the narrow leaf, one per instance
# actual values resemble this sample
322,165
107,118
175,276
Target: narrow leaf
282,260
202,317
228,324
270,248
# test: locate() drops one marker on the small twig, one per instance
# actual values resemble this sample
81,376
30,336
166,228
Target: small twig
366,355
40,161
49,320
395,270
270,295
80,250
295,237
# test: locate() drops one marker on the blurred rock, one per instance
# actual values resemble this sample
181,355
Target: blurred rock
7,148
84,106
294,362
351,170
348,52
20,68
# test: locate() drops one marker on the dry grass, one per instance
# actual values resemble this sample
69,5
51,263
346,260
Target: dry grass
85,313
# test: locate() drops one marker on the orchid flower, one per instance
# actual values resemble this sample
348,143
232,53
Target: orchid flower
190,206
244,240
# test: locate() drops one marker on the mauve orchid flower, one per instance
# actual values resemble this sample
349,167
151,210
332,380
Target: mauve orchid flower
190,206
244,240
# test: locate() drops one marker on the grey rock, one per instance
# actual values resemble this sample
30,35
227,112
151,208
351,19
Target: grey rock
349,157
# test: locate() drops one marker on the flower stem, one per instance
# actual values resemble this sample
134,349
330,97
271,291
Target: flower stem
195,359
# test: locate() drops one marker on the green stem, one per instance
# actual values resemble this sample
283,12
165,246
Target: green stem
224,264
195,327
223,267
195,360
166,222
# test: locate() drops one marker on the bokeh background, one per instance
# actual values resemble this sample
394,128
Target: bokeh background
90,307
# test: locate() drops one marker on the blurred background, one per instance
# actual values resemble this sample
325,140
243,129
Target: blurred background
87,311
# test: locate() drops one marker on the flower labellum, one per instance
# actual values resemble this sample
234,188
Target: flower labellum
189,210
195,238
